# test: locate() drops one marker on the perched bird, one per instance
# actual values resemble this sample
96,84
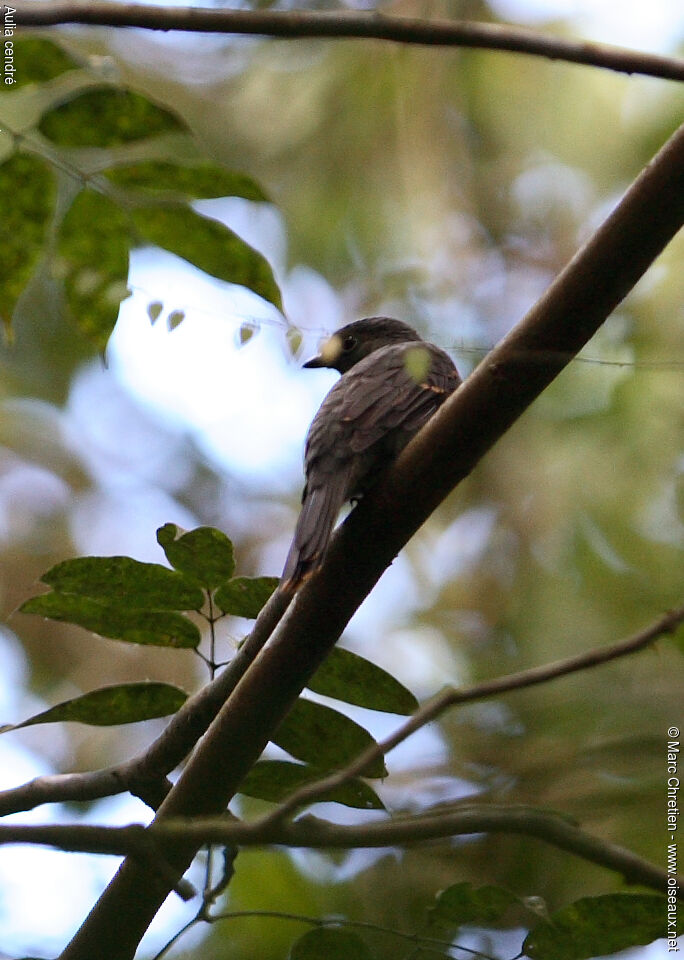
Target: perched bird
392,382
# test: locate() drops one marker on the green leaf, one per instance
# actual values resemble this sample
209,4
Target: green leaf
28,191
93,254
106,117
331,943
274,780
245,596
325,738
158,628
245,333
294,340
110,706
125,581
174,319
37,60
205,554
208,245
154,311
349,677
598,926
462,903
200,181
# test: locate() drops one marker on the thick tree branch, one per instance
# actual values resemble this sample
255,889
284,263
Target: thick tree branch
139,843
309,832
298,23
444,452
438,823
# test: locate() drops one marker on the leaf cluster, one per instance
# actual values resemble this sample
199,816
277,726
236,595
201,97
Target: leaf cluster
146,603
590,927
92,171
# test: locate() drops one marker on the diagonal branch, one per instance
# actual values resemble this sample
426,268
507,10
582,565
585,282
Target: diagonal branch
444,451
145,775
298,23
440,822
136,842
450,697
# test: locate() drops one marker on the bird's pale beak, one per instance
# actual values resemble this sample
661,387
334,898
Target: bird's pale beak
314,362
330,351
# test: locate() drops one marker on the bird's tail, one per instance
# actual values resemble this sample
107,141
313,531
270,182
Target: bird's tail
319,511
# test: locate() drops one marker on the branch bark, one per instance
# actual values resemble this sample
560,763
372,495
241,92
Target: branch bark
297,23
314,834
444,452
440,822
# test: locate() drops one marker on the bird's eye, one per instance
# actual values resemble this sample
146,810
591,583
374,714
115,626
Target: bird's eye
348,343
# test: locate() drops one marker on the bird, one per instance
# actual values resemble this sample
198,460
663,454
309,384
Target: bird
392,382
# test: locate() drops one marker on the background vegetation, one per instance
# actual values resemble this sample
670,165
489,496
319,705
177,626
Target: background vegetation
446,187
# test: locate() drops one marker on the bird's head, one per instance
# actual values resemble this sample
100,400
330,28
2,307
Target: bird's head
359,339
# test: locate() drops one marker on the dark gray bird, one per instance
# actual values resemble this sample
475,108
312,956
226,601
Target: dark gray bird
392,382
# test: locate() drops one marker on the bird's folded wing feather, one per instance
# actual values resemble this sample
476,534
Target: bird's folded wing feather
320,507
380,395
377,402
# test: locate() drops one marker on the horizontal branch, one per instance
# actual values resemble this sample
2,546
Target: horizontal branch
441,823
143,775
322,24
61,788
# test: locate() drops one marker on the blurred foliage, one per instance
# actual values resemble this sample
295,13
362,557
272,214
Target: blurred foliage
105,125
447,187
47,60
200,181
332,943
106,117
600,925
93,256
207,244
23,228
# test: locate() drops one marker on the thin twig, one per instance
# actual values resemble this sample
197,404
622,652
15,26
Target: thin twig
321,24
345,923
451,696
310,832
145,776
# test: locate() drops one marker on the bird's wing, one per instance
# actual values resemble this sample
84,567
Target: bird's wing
321,503
383,395
363,422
